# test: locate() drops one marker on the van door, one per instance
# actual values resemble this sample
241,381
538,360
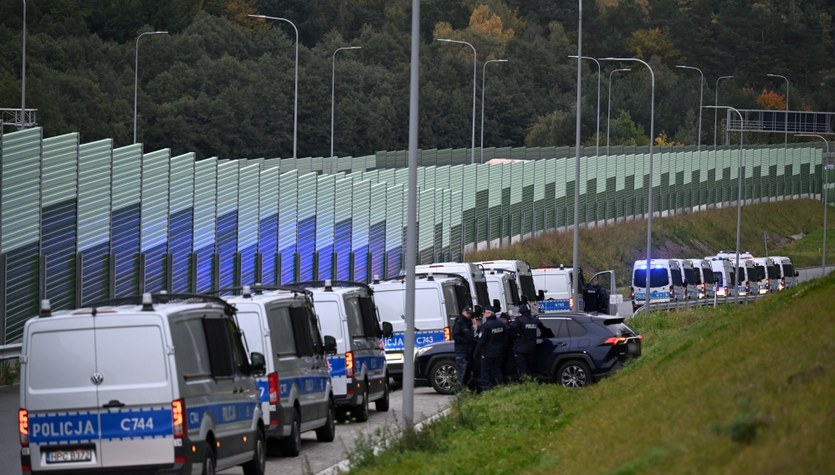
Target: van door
58,373
135,390
312,372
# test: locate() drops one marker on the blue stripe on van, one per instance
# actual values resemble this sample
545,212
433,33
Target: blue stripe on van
74,427
227,413
304,385
422,338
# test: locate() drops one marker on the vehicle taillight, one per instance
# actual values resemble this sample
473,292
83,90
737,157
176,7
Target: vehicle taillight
447,334
272,380
672,292
614,340
349,364
768,284
571,303
178,413
23,427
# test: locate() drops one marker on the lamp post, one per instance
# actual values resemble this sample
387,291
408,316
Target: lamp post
786,119
825,200
23,74
136,75
483,77
575,246
649,191
333,91
295,81
740,179
475,57
609,112
715,110
701,96
597,143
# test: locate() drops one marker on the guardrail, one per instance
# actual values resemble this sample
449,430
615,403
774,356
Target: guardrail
10,352
685,304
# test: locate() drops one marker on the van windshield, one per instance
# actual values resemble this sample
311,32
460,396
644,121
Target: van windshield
657,278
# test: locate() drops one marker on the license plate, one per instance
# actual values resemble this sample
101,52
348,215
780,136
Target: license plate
69,455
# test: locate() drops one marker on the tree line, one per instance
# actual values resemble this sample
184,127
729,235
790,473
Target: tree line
221,83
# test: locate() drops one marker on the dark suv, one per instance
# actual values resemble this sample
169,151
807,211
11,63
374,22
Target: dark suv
577,350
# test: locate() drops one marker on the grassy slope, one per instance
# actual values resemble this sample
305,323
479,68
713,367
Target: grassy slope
685,235
732,390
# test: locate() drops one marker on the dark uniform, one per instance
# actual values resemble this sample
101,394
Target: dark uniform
524,344
464,337
491,346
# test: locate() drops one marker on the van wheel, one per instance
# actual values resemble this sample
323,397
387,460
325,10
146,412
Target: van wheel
443,377
361,411
258,464
382,404
327,433
209,461
574,374
292,445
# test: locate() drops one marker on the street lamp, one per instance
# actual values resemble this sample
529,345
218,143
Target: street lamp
740,177
609,113
333,91
136,75
295,80
786,119
715,110
701,95
825,200
651,140
483,77
475,56
597,143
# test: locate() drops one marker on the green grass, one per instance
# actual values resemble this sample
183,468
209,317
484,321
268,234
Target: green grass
737,389
684,236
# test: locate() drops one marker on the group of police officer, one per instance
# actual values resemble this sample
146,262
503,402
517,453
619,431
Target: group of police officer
495,346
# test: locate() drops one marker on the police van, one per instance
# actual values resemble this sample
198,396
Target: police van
439,299
296,392
788,274
690,277
358,370
705,288
151,383
504,290
472,273
524,275
664,278
555,285
768,275
746,276
724,277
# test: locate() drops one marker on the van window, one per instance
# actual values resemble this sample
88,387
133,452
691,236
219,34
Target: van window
250,325
481,293
370,323
759,273
717,277
220,347
676,273
315,335
192,353
692,276
773,272
329,317
281,330
131,354
788,270
301,331
71,361
657,278
512,292
354,313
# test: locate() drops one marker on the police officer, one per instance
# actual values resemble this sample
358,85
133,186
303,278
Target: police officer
464,338
491,346
524,344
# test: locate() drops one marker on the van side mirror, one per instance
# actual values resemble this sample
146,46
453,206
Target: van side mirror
540,295
257,364
388,330
497,305
797,273
330,345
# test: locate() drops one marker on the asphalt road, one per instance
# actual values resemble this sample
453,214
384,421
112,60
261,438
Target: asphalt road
316,457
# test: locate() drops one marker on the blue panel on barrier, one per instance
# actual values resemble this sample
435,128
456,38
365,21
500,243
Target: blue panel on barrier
227,246
125,245
248,264
306,238
325,261
342,248
155,268
180,242
395,261
58,243
21,289
361,264
288,264
95,273
268,247
204,268
377,247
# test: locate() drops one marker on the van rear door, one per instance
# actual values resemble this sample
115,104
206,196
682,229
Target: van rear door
59,393
135,390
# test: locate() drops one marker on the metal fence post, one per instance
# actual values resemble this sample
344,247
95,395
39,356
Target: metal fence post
141,265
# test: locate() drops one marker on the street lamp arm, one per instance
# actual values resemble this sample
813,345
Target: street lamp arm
136,75
475,70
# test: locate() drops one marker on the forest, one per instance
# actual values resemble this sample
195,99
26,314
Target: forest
222,83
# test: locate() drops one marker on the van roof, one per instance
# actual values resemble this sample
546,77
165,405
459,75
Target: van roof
335,286
161,304
260,292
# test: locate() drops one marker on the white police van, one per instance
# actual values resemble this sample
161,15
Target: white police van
665,281
472,273
504,290
296,392
788,274
555,285
439,299
690,278
524,275
358,370
153,383
705,288
724,277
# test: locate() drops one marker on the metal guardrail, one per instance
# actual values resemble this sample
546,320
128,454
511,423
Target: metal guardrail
10,352
691,303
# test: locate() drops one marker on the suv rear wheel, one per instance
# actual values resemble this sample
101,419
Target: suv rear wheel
574,374
442,376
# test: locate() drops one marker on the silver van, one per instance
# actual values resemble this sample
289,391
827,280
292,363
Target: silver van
152,383
296,391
